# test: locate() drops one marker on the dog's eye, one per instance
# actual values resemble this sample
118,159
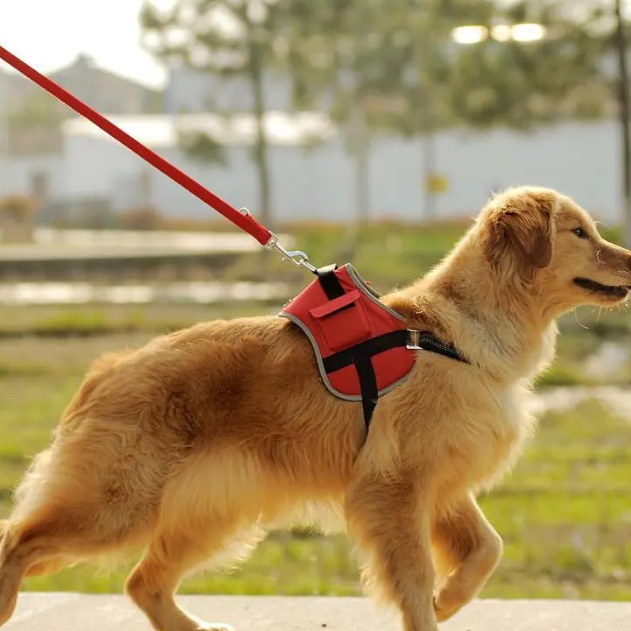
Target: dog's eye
580,233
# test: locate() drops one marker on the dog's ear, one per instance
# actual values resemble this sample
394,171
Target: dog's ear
519,231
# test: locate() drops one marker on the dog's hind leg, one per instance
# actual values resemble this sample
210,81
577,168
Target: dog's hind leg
49,539
467,549
172,555
88,497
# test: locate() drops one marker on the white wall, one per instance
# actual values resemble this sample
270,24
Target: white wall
94,166
578,159
17,174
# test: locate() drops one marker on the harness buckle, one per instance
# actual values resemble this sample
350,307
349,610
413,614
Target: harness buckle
413,340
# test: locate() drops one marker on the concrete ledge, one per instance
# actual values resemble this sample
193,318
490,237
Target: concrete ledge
71,612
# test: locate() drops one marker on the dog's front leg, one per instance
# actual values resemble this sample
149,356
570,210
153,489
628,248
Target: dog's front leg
392,527
467,550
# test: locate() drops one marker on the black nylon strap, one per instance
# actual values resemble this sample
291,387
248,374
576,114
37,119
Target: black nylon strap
367,384
368,348
429,342
361,356
330,282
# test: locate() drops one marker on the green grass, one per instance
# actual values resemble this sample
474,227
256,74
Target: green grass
564,513
98,320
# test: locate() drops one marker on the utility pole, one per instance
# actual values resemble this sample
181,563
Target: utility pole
4,135
361,150
429,164
624,110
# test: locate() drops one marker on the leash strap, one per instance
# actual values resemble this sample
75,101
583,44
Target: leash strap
243,219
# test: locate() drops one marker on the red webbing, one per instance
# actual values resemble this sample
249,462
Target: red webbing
245,222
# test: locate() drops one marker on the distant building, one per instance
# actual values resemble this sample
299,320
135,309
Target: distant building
104,90
14,91
191,90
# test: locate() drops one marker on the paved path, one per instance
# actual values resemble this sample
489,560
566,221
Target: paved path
69,612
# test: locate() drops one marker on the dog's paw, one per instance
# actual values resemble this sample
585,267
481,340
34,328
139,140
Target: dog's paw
215,626
442,610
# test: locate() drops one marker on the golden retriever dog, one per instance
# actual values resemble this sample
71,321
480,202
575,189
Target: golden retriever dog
195,445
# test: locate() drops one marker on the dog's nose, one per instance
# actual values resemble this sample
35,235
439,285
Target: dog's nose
626,258
615,256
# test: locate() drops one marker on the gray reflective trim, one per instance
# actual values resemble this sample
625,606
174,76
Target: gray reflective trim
325,378
370,292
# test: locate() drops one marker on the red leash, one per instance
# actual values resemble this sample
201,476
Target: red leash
241,218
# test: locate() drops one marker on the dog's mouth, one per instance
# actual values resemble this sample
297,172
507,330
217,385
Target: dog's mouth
617,292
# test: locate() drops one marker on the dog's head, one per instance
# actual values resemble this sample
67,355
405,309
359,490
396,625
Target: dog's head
542,240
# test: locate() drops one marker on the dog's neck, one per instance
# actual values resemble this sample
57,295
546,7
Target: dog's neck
493,321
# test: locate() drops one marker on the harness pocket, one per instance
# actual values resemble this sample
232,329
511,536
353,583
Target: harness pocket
342,321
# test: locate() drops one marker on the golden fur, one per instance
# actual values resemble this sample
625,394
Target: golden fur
196,444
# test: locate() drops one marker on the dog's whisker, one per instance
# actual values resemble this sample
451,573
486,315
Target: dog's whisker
578,321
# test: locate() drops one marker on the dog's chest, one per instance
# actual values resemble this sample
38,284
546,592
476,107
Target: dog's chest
483,431
506,425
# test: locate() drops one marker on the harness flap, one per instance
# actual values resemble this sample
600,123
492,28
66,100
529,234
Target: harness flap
341,322
332,306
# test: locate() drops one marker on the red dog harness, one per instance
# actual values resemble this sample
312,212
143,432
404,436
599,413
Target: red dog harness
363,348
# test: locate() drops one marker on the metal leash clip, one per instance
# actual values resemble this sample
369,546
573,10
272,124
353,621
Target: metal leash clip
297,257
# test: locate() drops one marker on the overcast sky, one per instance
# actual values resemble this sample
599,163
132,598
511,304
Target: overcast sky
48,34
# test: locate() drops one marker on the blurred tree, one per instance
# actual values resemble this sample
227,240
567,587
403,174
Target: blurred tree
394,64
202,147
380,65
429,56
509,81
347,58
226,38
